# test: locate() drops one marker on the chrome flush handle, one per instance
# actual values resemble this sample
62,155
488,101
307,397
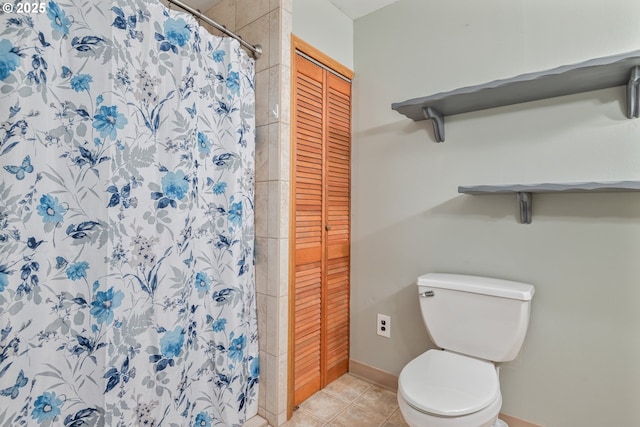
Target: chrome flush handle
426,294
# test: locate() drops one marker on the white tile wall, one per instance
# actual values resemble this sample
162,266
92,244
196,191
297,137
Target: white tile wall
268,23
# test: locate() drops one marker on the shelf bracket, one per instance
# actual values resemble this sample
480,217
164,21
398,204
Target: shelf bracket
633,93
524,200
437,119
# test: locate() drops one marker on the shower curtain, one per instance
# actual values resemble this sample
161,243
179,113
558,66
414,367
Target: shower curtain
126,218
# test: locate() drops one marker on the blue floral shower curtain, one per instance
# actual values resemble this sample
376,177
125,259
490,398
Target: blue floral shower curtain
126,219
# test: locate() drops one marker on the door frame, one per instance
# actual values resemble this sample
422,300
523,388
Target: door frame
299,45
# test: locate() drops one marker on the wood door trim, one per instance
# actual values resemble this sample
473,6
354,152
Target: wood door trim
298,44
304,47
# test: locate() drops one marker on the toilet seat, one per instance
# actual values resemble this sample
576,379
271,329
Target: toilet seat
448,384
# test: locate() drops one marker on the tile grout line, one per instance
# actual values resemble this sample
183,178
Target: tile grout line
353,403
356,398
349,404
357,403
387,417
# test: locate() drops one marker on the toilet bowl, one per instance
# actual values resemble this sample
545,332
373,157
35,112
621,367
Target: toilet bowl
476,322
444,389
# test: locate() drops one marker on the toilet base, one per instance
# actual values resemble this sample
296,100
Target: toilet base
500,423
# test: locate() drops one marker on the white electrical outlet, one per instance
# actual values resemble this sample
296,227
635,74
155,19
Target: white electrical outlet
384,325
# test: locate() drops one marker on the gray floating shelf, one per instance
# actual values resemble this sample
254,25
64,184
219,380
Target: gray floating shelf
600,73
524,191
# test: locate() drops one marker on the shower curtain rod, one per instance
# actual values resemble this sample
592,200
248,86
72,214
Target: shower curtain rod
256,50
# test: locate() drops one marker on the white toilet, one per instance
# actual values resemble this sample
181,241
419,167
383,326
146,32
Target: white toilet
476,321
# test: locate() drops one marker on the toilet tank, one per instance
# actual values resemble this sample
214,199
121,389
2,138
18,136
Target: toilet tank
481,317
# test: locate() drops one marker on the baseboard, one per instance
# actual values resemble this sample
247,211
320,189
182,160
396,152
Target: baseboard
256,421
373,375
390,381
516,422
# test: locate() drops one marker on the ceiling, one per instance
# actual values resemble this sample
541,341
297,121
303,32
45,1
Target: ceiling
354,9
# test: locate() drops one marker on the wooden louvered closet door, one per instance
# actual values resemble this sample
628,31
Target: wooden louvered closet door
321,183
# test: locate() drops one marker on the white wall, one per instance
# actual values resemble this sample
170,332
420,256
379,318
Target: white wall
325,27
580,362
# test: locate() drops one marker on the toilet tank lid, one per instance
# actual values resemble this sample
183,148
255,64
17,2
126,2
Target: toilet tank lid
478,285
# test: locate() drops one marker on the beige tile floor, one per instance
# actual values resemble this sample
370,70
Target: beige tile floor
349,402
